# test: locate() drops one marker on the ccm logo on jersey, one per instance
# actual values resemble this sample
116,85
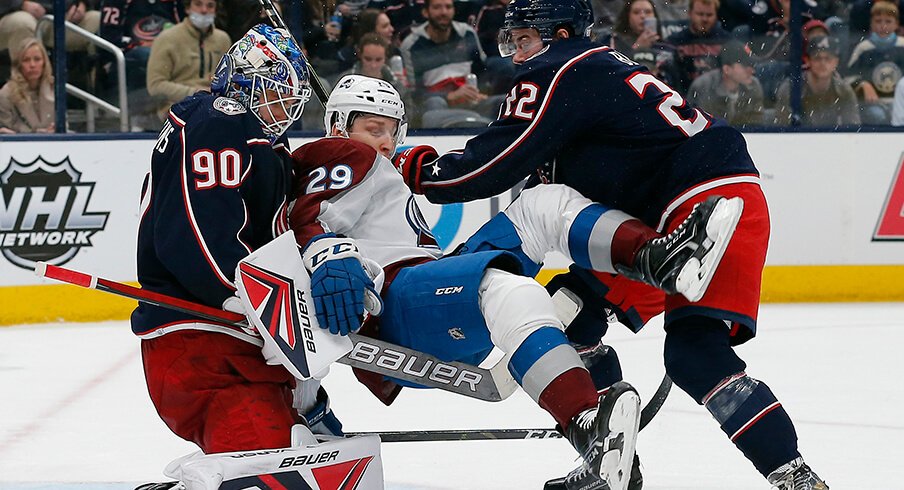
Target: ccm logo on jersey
411,365
449,290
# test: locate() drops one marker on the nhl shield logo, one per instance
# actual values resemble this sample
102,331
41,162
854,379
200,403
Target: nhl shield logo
44,212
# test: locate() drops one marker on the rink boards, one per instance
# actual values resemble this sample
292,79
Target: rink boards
836,202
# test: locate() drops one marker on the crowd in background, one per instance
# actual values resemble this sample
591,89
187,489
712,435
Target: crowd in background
729,57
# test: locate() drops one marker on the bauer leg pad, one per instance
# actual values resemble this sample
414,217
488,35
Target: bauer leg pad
355,461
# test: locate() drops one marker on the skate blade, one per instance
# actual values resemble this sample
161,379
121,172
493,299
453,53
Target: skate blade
620,444
694,278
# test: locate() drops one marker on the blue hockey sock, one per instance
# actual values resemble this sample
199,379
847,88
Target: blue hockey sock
755,421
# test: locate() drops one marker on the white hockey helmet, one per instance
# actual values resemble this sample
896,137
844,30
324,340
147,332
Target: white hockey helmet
360,94
265,58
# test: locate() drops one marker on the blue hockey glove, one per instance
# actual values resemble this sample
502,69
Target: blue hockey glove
338,282
409,164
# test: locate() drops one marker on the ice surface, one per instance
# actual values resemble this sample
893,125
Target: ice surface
75,413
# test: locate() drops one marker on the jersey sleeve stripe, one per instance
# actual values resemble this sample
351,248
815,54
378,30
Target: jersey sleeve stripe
258,141
527,132
194,223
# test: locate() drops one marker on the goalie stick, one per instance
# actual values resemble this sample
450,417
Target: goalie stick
277,21
493,384
646,415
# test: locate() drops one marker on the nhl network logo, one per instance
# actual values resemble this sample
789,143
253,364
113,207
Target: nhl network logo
44,212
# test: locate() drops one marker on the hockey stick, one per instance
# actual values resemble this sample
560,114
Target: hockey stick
493,384
646,415
277,21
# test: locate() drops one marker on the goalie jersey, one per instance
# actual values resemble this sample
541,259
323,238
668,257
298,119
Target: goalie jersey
346,187
587,116
216,191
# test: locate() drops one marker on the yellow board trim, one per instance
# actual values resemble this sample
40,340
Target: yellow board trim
781,284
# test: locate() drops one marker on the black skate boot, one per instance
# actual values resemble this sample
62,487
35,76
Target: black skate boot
685,260
605,437
796,475
577,479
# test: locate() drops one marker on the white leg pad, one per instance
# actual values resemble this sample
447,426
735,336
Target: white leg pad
355,459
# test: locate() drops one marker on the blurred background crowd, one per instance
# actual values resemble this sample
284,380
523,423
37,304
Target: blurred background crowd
733,58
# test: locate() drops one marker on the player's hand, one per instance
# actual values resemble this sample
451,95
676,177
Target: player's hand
338,282
409,164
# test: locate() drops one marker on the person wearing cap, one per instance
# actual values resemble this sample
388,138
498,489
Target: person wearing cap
825,98
730,91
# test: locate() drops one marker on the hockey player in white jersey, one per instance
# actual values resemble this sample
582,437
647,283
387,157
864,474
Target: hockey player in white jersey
352,204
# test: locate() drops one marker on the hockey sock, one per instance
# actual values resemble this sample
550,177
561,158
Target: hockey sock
755,421
600,237
550,371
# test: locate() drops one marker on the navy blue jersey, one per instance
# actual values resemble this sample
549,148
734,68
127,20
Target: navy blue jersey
217,190
586,116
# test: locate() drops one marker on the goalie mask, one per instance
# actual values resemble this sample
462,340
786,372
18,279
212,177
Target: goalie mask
357,94
266,73
546,16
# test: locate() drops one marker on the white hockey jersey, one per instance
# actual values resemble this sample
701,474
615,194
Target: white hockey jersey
345,187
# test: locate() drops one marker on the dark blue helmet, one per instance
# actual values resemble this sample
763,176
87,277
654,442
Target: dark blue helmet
546,16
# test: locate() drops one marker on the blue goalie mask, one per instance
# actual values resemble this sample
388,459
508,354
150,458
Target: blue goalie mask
266,73
546,16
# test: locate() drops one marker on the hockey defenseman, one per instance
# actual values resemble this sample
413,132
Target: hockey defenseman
353,204
587,116
218,188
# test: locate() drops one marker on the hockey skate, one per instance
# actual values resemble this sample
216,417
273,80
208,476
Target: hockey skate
605,437
685,260
578,479
796,475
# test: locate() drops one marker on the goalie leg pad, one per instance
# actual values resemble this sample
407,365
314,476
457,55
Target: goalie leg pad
355,461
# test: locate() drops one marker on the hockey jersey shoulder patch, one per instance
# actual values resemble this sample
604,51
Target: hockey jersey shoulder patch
228,106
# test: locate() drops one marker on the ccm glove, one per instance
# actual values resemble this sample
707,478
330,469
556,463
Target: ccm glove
409,164
338,282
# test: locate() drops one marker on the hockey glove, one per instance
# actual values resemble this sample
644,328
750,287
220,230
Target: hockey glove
410,162
338,282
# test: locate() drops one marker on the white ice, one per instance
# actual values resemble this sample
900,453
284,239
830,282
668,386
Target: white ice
75,413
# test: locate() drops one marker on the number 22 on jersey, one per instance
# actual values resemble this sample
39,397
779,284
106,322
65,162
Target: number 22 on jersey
667,108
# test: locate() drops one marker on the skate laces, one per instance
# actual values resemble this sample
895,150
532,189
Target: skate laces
680,229
578,473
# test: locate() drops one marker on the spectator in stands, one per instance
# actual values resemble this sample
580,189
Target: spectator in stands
731,92
876,63
699,44
133,25
637,27
26,100
897,111
333,57
499,70
404,14
860,18
439,56
183,58
373,53
825,99
19,19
